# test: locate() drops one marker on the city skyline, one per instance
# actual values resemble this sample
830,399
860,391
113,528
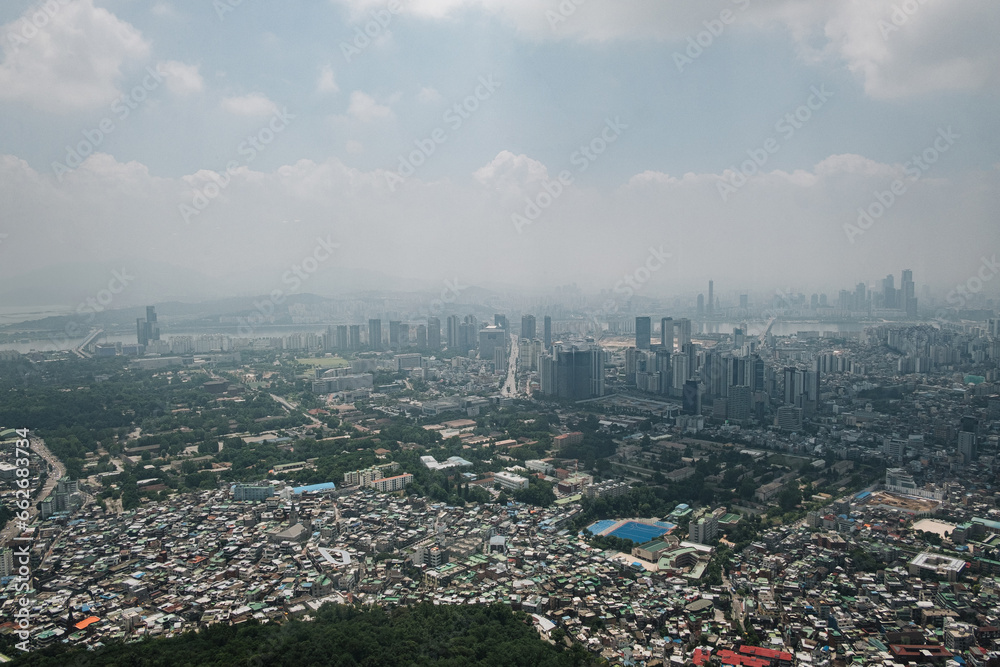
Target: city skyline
347,145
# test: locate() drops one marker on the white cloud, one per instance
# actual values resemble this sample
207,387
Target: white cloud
355,147
428,95
592,235
895,51
326,82
254,104
363,107
512,176
164,10
182,79
67,57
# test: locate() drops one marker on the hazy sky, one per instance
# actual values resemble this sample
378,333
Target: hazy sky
408,136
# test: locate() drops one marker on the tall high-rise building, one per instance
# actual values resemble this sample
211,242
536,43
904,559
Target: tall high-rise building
888,292
679,364
433,333
500,321
147,329
795,389
491,339
528,327
667,333
683,332
452,331
421,336
967,440
700,308
394,326
375,334
342,341
710,308
643,326
573,373
547,332
861,297
154,328
740,401
907,294
691,398
354,337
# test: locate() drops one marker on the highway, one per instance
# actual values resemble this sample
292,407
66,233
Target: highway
291,408
78,350
509,388
58,471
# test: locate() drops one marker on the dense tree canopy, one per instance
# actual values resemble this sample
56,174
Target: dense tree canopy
421,635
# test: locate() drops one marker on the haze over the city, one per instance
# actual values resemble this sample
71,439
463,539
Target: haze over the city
209,148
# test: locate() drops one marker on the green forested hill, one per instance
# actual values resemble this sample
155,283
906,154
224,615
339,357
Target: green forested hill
421,635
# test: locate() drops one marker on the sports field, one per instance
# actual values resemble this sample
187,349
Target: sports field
639,531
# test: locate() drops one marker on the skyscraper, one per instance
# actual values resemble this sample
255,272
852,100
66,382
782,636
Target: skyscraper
501,321
547,332
375,334
700,308
573,373
683,332
643,326
147,329
907,294
888,292
967,444
711,298
528,327
433,333
452,331
354,337
667,333
394,326
740,399
691,398
491,339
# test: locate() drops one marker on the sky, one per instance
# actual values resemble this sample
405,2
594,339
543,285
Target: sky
231,147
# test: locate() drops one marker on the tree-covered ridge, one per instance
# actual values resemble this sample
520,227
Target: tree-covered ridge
421,635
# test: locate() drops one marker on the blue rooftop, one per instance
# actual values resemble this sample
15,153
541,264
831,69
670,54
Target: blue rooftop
313,488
